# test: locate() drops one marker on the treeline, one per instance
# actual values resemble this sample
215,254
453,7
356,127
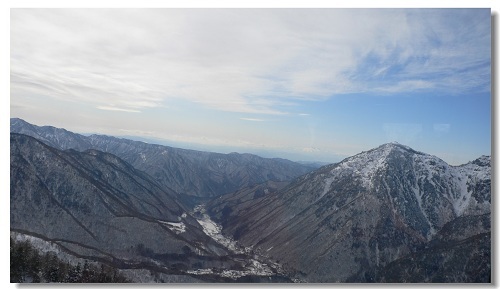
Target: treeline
28,265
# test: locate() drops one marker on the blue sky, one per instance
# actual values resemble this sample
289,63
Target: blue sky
305,84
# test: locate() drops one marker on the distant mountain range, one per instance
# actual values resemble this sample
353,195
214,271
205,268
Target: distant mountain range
188,172
391,214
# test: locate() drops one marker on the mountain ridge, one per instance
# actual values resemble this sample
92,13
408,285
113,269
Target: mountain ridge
188,172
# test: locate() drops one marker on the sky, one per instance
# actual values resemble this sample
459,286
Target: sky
303,84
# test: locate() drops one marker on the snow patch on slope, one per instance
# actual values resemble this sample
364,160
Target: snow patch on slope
177,227
366,164
214,230
454,180
328,184
143,156
470,173
463,200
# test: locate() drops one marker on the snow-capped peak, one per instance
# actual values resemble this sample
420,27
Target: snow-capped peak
437,186
368,163
396,145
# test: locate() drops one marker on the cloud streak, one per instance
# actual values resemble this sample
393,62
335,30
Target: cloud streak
111,108
252,119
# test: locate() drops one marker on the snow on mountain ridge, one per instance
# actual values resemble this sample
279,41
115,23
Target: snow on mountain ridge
366,164
426,176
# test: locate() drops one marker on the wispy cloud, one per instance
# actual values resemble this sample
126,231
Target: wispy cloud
252,119
112,108
134,59
311,150
406,86
446,50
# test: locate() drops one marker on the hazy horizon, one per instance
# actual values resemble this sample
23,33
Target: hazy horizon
228,150
302,84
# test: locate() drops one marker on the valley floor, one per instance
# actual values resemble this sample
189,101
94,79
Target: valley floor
255,267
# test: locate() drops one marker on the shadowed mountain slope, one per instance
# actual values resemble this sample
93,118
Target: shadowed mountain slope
96,206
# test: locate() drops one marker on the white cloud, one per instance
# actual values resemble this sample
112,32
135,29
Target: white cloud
112,108
311,150
243,60
405,86
252,119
